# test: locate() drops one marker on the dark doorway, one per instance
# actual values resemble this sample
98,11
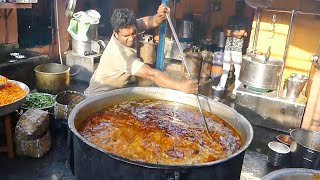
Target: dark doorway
34,25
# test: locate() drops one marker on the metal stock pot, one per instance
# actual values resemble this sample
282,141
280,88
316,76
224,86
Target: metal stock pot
52,78
92,162
258,74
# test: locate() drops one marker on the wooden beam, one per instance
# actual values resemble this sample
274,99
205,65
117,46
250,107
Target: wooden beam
15,5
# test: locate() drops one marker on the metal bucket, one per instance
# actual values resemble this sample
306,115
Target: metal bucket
305,148
260,75
65,102
294,85
52,78
217,92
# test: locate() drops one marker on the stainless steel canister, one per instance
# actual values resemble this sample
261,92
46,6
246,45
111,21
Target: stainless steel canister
294,85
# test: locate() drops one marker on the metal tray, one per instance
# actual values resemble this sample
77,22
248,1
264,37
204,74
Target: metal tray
9,108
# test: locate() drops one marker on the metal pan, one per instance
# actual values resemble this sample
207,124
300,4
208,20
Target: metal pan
293,173
9,108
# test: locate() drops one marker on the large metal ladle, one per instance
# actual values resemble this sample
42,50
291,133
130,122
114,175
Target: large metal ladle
189,74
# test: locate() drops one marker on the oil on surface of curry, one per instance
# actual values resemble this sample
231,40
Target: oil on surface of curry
160,132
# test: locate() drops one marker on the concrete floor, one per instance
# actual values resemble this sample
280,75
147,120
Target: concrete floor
54,165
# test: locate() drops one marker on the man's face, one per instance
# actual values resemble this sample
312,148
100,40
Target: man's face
127,36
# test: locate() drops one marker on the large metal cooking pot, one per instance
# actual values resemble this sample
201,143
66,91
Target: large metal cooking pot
52,78
260,75
92,162
305,148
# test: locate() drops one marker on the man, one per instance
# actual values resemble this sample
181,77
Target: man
119,60
236,32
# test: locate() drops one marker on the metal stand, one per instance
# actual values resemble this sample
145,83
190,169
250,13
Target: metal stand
268,110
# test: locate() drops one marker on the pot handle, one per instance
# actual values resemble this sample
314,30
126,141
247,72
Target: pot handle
75,72
309,155
308,160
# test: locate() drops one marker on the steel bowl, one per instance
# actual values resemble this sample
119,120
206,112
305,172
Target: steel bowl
293,173
42,108
9,108
285,139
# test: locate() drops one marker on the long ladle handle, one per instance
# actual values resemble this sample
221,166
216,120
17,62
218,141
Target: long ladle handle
185,64
178,43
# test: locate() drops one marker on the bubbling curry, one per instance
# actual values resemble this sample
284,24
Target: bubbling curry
160,132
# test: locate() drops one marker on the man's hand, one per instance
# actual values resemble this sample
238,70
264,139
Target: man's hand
189,86
161,13
155,21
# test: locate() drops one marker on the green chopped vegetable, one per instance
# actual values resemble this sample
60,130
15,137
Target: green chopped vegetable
38,101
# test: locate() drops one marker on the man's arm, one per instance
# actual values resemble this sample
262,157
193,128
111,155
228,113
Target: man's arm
150,22
239,34
232,21
161,79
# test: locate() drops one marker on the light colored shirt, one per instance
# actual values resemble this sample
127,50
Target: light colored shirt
116,66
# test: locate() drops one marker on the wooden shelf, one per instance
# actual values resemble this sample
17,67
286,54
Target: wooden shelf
15,5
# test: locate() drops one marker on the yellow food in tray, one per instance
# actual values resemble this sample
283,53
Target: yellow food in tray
10,93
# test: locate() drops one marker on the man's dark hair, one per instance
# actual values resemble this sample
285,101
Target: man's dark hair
122,18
